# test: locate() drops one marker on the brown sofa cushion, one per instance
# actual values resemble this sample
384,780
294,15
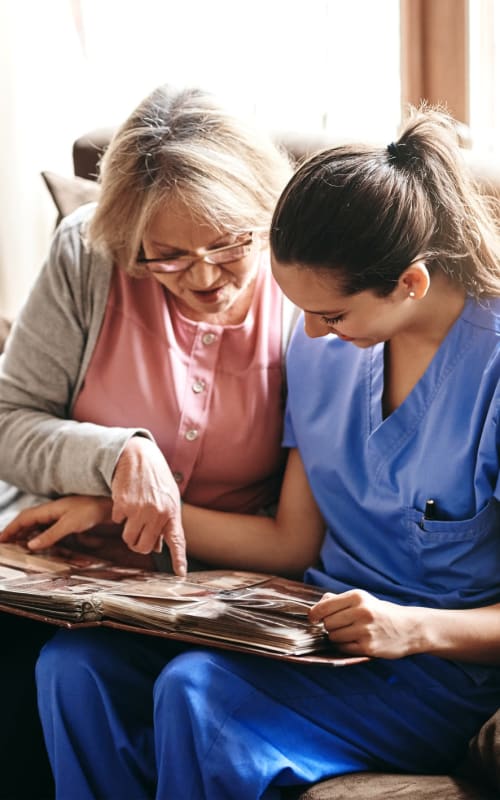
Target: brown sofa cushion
484,754
477,779
88,150
374,786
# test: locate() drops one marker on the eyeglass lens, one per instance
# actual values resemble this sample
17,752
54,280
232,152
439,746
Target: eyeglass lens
223,256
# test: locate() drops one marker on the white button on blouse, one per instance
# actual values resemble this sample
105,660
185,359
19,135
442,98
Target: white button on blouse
208,338
199,386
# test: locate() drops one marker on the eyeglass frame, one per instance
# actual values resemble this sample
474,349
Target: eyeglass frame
201,254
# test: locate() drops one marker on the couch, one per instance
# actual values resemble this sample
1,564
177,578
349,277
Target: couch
478,777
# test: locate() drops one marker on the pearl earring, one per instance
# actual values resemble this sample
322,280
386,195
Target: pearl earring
411,294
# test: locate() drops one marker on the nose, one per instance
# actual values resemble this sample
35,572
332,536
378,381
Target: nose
314,326
203,275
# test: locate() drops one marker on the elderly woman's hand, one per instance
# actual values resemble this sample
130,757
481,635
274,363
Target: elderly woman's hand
78,523
46,524
146,499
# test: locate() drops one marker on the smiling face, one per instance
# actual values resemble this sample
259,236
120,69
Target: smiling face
204,292
364,318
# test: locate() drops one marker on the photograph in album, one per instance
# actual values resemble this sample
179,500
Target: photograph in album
234,609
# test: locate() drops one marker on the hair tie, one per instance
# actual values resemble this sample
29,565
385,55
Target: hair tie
393,150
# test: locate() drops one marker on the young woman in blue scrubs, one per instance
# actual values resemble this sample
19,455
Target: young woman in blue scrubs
393,403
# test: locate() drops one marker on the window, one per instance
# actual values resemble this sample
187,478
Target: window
315,65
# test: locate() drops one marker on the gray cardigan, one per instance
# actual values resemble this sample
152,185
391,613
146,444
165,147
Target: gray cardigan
43,451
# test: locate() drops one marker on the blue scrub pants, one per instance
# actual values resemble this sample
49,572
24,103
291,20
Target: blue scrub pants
131,717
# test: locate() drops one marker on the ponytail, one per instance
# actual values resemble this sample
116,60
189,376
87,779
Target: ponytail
370,212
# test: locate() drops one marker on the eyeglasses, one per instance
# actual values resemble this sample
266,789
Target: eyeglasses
218,256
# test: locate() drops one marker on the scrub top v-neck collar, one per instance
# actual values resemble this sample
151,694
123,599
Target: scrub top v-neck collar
387,434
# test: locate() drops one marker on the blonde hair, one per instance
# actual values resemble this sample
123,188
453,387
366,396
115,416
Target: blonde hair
182,146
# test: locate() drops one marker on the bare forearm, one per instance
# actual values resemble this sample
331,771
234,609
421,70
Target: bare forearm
361,624
467,635
242,541
287,544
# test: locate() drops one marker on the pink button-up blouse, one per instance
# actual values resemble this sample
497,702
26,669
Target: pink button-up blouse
211,395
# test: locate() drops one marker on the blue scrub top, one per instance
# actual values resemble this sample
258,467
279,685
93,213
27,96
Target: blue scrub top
371,477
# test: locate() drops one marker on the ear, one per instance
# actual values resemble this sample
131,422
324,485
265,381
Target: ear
415,281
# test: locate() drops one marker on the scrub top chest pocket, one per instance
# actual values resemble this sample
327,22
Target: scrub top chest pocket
459,560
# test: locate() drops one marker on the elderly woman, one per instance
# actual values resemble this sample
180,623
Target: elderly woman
146,365
152,342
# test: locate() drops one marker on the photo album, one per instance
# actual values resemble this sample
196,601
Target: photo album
236,610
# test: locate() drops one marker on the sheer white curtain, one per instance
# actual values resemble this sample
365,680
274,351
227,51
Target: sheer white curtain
484,75
67,66
40,105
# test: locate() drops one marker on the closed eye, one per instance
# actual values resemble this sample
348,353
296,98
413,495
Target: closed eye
221,243
333,320
177,254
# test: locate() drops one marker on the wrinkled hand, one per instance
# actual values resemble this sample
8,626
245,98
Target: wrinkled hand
146,499
57,519
361,624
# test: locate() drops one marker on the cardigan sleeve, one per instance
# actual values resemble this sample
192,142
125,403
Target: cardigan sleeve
42,450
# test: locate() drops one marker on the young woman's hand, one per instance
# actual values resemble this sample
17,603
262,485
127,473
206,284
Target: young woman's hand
57,519
146,500
361,624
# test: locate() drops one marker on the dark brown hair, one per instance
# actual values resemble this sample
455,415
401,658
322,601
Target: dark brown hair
369,212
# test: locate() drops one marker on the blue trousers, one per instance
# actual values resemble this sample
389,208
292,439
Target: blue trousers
129,717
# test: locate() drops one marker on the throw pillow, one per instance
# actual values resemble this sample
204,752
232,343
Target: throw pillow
70,193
